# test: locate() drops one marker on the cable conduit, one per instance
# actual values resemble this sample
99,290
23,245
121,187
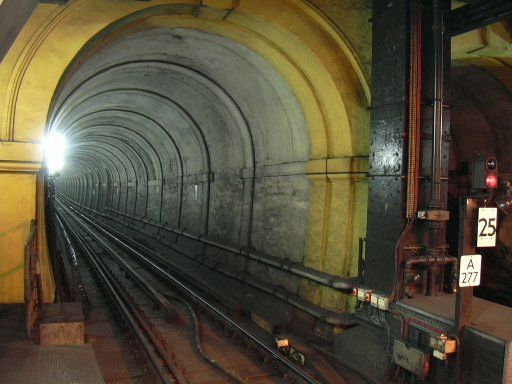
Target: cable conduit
332,281
278,291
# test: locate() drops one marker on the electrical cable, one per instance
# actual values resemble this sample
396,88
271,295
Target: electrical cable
199,344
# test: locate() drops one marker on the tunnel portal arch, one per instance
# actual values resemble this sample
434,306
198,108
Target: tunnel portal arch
269,93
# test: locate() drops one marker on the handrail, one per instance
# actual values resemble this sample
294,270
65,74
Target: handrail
34,300
29,248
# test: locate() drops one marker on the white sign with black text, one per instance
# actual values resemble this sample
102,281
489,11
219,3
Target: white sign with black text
470,269
487,227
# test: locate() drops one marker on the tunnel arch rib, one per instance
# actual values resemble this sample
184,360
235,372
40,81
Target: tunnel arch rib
248,128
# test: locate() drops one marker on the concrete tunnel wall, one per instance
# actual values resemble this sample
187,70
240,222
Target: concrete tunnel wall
244,120
189,129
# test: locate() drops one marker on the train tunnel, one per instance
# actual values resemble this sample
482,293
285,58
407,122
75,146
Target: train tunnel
254,191
192,129
239,123
480,97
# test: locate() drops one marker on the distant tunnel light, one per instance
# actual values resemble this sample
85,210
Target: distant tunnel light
54,152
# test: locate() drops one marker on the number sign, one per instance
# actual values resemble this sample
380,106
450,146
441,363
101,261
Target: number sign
487,227
469,275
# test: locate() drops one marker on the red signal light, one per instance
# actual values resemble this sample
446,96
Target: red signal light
491,181
485,174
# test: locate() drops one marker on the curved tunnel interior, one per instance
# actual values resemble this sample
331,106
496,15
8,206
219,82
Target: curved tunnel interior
479,121
188,129
194,112
279,170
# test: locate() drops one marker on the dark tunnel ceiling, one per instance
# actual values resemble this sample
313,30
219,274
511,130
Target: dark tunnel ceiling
187,107
480,117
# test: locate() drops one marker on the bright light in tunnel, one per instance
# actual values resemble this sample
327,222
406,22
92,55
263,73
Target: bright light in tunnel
54,152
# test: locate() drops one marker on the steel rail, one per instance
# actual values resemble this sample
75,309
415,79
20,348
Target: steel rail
163,302
157,297
154,350
285,265
177,283
72,257
278,291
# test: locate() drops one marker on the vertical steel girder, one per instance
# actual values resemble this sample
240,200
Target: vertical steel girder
388,178
386,168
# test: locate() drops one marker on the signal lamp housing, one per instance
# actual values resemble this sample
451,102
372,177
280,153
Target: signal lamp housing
485,173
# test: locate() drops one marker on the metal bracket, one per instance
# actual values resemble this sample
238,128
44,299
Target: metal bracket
411,359
434,215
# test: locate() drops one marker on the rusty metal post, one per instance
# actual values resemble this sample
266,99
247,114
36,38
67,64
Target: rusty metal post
468,208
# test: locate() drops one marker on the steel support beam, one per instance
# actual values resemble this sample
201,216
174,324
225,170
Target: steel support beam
478,14
389,113
389,142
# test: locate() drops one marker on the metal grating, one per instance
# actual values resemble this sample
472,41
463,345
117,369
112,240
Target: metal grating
487,317
26,363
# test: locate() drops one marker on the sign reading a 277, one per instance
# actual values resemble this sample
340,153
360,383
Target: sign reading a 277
487,227
470,270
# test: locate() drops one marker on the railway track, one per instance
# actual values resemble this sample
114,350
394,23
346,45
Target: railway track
187,337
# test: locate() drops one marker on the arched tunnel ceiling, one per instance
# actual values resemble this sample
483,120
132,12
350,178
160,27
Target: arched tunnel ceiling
197,113
480,120
186,79
249,125
246,119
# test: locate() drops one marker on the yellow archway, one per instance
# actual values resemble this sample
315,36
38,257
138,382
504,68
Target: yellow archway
304,47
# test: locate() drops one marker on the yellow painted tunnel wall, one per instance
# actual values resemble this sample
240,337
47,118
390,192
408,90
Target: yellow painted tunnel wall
20,196
17,209
321,49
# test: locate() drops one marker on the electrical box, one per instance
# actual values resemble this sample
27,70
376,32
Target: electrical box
411,359
443,344
379,301
383,303
450,346
362,293
374,301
